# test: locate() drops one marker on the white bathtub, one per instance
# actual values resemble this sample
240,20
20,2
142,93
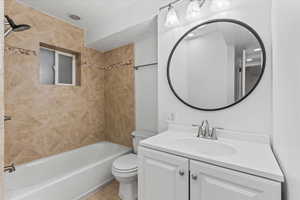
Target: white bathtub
67,176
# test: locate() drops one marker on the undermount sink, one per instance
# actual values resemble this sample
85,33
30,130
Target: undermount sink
206,147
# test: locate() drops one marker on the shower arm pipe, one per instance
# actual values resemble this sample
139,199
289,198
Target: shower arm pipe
8,31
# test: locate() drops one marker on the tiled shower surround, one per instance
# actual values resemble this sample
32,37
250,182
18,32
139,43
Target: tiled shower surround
49,119
119,95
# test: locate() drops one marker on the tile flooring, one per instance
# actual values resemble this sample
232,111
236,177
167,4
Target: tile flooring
107,192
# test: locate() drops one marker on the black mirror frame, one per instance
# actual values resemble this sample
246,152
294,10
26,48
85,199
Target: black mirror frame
249,28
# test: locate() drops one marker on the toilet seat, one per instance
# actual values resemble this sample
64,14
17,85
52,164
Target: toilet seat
125,169
126,164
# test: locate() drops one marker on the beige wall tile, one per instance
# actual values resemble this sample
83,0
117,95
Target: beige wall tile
119,95
1,100
50,119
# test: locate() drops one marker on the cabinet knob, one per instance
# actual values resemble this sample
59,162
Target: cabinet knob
194,177
181,173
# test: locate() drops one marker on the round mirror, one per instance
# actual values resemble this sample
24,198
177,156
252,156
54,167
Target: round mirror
216,65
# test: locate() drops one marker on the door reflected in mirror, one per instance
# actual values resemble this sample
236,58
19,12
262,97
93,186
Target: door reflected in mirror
216,65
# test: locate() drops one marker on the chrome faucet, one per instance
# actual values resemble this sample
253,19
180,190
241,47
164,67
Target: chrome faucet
10,168
204,131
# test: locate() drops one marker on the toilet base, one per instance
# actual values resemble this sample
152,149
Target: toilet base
128,190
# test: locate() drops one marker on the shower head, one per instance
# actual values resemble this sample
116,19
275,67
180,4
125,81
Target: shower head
14,27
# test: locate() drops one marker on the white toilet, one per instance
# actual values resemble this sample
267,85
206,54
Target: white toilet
125,168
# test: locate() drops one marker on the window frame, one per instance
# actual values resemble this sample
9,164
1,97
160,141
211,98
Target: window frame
56,66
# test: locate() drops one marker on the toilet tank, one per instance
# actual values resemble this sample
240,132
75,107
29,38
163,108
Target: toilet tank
140,135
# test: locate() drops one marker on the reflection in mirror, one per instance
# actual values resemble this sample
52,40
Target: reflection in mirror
216,65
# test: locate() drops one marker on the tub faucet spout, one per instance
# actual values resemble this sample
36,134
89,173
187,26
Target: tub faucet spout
10,169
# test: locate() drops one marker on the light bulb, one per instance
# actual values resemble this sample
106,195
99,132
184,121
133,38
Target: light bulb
218,5
172,18
194,9
257,50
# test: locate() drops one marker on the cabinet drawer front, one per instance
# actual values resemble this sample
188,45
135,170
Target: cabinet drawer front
162,176
209,182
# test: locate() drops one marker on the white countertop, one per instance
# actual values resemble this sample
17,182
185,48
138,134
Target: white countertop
253,155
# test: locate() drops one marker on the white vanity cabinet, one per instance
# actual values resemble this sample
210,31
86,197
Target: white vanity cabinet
209,182
164,176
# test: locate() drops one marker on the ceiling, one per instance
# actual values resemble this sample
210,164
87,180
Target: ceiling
108,23
129,35
92,12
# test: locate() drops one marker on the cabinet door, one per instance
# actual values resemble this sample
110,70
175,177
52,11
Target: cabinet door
162,176
210,182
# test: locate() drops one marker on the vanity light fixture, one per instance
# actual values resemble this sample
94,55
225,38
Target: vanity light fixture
172,17
194,9
257,50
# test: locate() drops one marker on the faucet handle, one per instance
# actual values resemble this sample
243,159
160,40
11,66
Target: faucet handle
200,133
10,168
213,134
7,118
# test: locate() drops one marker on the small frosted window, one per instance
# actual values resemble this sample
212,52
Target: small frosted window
65,69
47,71
57,68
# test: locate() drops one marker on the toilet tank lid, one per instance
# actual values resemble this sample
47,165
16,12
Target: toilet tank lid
143,133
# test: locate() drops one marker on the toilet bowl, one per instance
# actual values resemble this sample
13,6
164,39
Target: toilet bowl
125,168
125,171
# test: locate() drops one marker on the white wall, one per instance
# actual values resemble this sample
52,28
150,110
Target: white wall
146,82
207,73
138,11
181,81
286,41
252,115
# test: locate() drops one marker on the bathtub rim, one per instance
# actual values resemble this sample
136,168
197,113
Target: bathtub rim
26,191
41,160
